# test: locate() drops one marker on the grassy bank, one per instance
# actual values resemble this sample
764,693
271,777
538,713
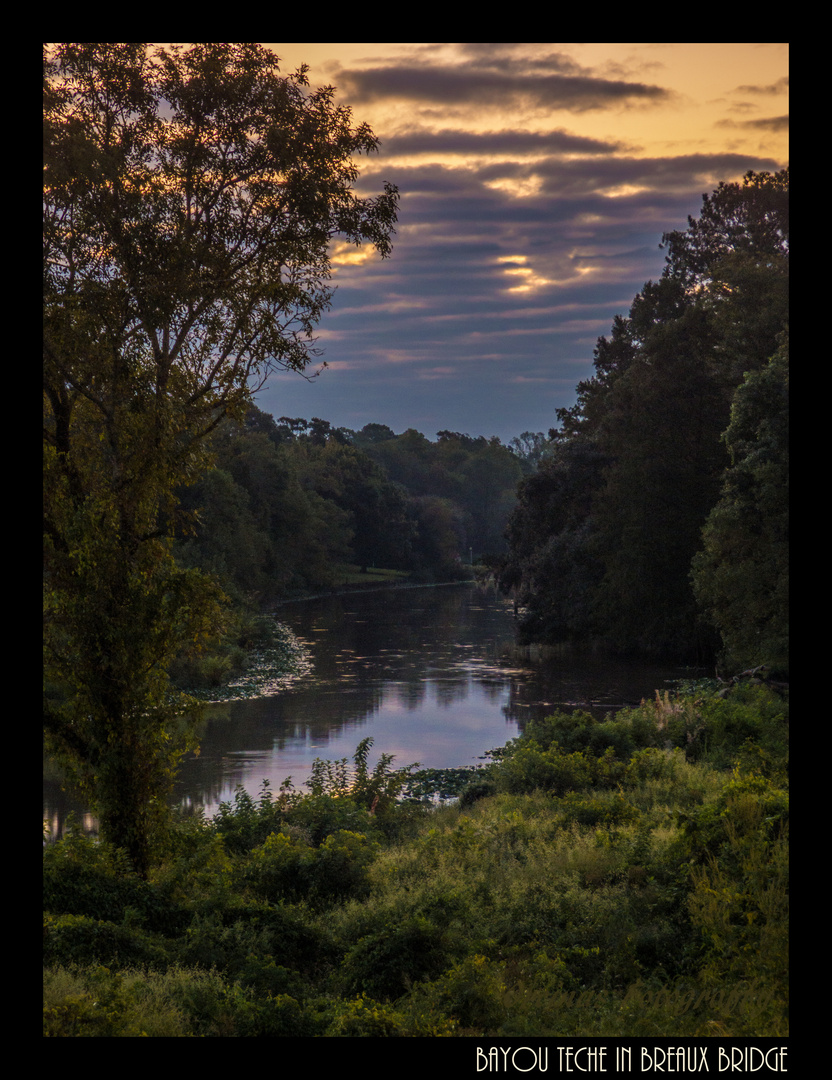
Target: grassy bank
350,578
348,575
626,877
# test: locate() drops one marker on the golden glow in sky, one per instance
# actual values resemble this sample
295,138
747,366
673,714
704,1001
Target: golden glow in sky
718,95
536,182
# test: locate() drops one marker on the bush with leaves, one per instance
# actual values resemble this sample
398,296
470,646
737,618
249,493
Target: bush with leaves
472,992
362,1017
386,964
82,876
80,939
246,822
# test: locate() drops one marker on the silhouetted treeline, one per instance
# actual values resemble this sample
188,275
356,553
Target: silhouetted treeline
290,501
658,517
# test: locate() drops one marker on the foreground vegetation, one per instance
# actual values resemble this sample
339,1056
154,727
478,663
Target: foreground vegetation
618,877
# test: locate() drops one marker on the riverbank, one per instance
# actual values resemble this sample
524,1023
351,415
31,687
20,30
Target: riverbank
273,664
425,672
370,581
429,673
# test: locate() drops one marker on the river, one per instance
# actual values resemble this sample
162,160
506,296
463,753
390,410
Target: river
430,674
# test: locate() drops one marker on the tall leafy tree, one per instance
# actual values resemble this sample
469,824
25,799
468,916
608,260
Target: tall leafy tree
552,567
530,448
612,559
477,475
190,197
714,315
259,530
490,476
661,437
741,576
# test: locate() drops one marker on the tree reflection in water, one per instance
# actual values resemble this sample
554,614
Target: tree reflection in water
431,674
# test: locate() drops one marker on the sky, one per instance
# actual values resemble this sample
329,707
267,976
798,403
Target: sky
536,181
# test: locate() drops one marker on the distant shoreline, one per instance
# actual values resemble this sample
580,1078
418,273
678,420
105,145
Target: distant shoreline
344,590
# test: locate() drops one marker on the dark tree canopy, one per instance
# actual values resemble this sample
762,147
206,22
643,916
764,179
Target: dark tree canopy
190,198
741,575
605,552
737,220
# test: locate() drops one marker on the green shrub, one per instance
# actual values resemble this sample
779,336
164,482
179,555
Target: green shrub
208,944
649,764
293,936
606,808
286,868
266,978
577,731
278,868
553,770
476,790
750,723
570,731
749,805
387,963
739,907
319,816
201,875
72,1009
472,992
83,877
79,939
247,822
365,1018
340,867
95,1002
272,1016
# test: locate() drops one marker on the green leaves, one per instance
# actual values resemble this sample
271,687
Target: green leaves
741,577
185,257
604,553
376,791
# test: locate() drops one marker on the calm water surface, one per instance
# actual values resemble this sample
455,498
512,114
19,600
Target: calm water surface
428,673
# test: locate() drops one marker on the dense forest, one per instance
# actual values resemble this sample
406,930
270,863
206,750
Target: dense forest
658,517
289,503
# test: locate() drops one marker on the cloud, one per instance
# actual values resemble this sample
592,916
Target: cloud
762,123
780,86
520,234
504,86
549,201
531,283
454,141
